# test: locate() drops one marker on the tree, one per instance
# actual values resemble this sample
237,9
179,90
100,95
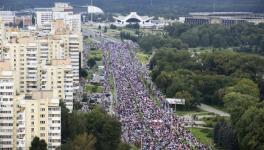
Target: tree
83,73
189,99
250,128
112,26
38,144
205,40
225,136
237,104
245,86
81,142
106,129
91,62
65,129
124,146
105,29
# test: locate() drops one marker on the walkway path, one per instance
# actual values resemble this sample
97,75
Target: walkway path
213,110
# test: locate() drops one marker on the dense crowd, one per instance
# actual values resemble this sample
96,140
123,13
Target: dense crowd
143,121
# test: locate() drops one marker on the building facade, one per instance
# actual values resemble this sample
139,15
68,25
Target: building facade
7,94
32,52
38,115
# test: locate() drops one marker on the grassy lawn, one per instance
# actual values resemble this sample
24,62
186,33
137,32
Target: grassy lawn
181,112
209,49
94,88
219,107
205,136
144,58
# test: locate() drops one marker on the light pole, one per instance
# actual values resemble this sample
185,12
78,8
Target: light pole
91,11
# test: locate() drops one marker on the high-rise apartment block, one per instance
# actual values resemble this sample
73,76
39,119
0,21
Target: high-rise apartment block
7,94
38,115
63,11
32,51
39,67
25,116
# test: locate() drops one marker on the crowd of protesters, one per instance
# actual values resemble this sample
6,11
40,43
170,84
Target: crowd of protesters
143,121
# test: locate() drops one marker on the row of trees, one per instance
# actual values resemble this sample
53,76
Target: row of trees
203,77
128,36
241,37
244,130
167,8
244,37
232,79
246,109
95,130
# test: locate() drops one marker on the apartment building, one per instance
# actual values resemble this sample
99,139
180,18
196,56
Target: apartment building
7,94
2,35
23,53
58,75
38,68
8,17
29,51
24,116
44,17
38,115
60,11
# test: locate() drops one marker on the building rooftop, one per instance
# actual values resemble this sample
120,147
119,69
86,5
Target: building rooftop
40,95
133,15
43,9
219,13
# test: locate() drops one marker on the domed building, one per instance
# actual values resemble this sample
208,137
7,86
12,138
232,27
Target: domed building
94,10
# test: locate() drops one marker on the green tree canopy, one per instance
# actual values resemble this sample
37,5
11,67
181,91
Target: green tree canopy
38,144
250,128
81,142
106,129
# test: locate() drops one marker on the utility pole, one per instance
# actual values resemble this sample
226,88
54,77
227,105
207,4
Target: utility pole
92,12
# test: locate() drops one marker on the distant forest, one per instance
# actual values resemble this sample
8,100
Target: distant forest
169,8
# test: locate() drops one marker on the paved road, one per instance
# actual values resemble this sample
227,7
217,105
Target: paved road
213,110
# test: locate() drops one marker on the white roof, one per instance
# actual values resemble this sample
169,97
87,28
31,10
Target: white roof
219,13
94,10
133,15
175,101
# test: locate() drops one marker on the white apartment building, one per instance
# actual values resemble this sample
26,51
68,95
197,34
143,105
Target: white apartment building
61,11
44,17
7,17
7,93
